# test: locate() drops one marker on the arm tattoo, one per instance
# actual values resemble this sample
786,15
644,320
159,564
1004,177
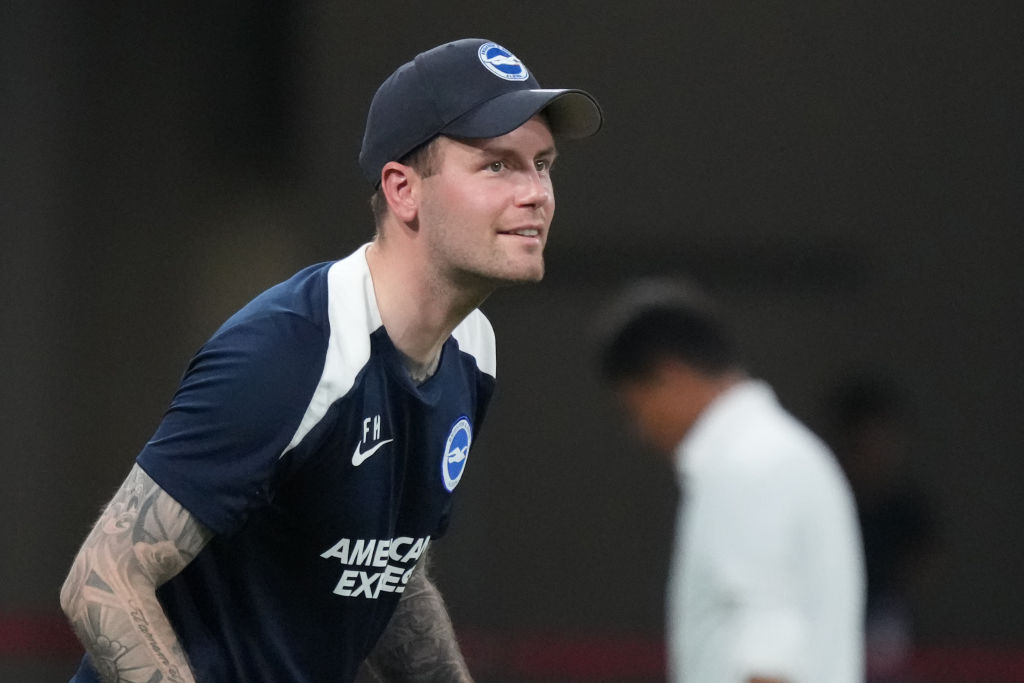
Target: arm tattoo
419,644
142,539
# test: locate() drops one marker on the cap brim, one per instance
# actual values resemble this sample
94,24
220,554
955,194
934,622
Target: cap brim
571,114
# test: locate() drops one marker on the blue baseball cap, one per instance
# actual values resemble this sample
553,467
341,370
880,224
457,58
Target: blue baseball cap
470,88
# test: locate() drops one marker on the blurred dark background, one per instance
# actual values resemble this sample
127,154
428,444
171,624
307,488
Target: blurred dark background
847,177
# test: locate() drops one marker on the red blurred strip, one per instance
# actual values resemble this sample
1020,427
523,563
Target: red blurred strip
967,663
35,634
561,656
591,657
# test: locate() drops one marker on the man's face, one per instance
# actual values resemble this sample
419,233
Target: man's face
486,212
650,404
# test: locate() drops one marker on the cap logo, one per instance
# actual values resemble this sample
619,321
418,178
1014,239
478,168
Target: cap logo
502,63
456,450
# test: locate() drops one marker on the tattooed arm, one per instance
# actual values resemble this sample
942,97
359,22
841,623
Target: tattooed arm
141,540
419,644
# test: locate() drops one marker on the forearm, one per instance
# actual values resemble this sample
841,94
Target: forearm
419,643
143,538
123,631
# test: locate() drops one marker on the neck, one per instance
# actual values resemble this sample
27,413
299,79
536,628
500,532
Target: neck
708,388
418,308
695,392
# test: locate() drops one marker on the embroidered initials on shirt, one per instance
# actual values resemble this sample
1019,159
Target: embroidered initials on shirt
360,456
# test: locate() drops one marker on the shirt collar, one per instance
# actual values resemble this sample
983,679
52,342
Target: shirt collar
717,421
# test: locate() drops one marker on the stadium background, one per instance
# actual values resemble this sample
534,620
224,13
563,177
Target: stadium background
846,176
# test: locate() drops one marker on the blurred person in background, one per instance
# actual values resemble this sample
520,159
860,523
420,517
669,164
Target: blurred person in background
275,527
870,431
766,583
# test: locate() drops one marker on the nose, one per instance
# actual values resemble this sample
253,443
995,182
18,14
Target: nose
535,189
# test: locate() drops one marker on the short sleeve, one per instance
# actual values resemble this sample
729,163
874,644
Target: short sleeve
218,448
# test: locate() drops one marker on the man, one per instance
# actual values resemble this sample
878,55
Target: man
766,583
275,527
870,428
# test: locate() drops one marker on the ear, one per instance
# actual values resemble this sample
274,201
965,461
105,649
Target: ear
400,185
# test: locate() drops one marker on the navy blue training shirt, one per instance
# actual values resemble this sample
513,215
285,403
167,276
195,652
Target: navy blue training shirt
298,437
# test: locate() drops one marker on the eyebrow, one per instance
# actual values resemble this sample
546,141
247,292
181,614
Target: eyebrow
504,150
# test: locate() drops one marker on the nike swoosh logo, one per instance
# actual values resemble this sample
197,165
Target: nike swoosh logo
359,458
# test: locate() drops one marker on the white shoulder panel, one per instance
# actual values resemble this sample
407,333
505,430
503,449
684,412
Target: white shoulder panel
476,337
353,317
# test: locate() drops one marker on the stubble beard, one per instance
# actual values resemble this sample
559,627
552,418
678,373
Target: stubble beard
471,267
487,277
469,270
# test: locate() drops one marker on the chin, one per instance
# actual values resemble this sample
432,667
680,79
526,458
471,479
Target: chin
526,275
533,270
500,273
517,272
508,281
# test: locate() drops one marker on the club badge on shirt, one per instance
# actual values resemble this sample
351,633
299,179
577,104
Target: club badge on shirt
456,452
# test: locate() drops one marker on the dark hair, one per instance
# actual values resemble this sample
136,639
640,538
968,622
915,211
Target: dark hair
655,320
424,160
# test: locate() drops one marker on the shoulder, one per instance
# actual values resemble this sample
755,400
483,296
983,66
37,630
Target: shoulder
303,295
323,315
307,334
762,441
284,325
333,294
476,338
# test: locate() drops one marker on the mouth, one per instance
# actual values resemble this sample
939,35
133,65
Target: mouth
522,232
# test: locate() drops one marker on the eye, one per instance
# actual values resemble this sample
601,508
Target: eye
542,165
496,166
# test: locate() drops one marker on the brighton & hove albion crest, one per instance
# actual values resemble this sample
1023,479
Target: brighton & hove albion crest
502,63
456,452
